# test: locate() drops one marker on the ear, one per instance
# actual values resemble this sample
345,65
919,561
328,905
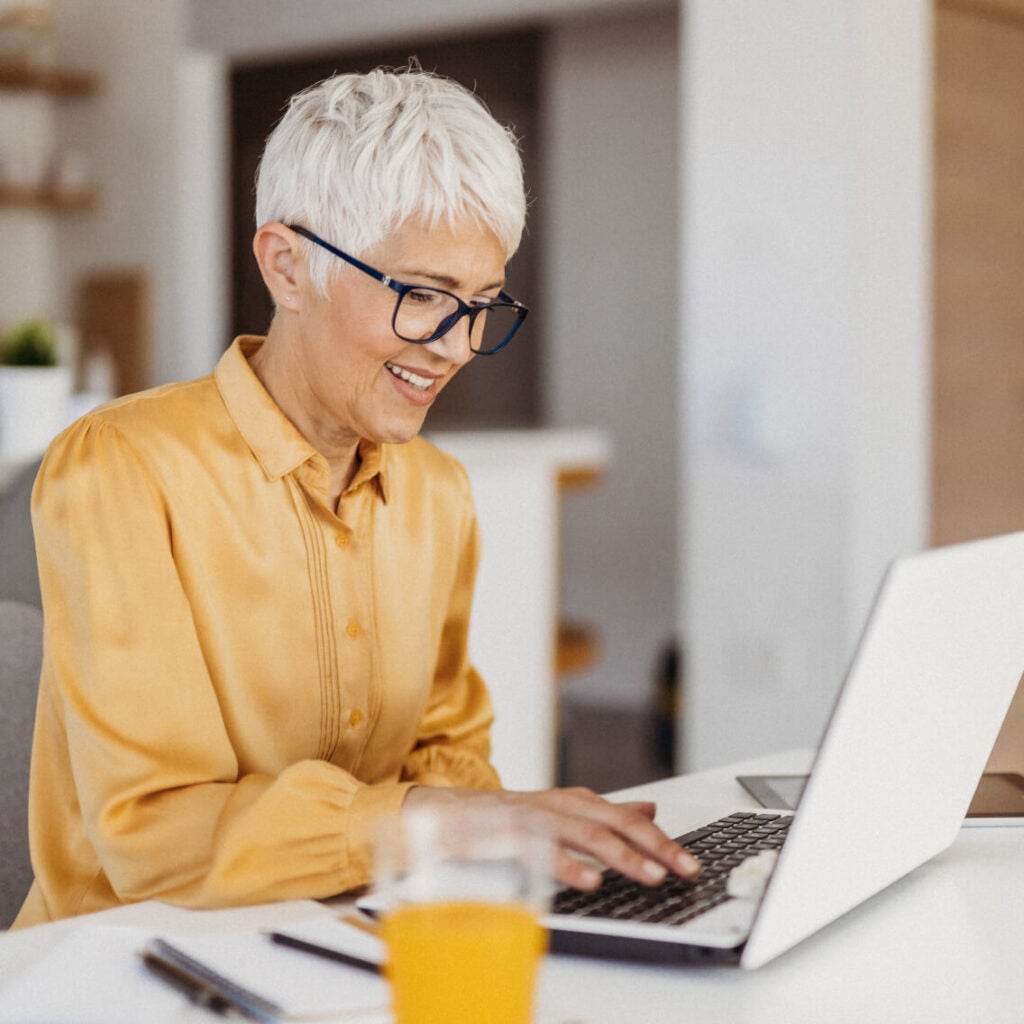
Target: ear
277,253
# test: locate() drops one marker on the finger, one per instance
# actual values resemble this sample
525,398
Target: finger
573,872
625,838
622,836
606,846
646,807
634,844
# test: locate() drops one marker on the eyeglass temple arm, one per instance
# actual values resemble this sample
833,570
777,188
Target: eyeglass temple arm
317,240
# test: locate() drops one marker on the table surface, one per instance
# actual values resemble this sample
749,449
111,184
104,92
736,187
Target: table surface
942,944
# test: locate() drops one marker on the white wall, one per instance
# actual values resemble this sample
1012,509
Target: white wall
149,139
804,382
609,213
255,28
125,134
28,248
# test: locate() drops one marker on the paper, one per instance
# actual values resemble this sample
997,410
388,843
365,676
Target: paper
95,976
307,987
91,976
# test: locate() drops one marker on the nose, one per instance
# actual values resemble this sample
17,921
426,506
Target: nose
454,344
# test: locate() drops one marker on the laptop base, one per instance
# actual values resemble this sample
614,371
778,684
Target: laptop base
648,951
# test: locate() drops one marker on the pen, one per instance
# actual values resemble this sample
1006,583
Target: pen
331,954
205,987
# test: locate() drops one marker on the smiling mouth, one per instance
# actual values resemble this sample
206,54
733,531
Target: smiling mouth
418,382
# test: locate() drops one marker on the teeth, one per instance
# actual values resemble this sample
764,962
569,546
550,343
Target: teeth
410,378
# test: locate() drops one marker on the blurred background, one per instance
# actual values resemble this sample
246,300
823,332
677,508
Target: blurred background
773,262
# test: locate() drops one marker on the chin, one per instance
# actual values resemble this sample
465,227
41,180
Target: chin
401,434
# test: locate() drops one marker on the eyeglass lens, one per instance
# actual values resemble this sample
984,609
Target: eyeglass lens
422,313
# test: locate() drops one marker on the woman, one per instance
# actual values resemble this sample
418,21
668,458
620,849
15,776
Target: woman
257,585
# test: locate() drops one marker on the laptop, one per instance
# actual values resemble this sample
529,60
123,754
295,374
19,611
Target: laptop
908,739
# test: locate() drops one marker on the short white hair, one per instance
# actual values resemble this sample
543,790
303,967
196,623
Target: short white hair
357,155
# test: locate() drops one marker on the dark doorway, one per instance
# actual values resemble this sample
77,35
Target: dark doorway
504,70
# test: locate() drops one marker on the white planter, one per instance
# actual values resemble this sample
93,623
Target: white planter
33,408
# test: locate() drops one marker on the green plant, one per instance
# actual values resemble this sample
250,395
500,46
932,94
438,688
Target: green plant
30,343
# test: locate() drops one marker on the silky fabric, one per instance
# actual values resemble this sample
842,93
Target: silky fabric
240,683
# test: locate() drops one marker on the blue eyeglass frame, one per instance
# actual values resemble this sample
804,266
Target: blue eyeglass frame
504,300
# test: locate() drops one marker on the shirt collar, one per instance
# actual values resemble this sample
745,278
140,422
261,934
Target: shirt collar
275,441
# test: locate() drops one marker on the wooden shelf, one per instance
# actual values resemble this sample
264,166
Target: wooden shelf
577,648
40,197
71,82
578,478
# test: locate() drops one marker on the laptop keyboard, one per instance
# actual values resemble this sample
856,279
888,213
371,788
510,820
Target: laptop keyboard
720,846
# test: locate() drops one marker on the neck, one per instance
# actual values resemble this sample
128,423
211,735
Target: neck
275,370
342,473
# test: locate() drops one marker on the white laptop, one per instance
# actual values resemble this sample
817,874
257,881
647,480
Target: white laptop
913,726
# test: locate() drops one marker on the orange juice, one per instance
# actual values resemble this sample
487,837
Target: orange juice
463,963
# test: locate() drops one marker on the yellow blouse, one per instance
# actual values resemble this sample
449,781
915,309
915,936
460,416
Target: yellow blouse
237,682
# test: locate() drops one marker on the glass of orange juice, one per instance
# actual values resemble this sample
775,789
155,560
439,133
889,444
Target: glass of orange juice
461,893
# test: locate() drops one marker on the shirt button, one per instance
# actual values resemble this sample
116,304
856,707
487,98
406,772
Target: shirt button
355,717
352,628
342,539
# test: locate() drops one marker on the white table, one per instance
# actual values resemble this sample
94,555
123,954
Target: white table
942,945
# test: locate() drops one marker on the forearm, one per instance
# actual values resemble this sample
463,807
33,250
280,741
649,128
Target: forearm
305,834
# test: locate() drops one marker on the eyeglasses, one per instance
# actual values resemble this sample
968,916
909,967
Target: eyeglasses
423,314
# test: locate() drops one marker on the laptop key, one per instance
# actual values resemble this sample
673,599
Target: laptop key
720,845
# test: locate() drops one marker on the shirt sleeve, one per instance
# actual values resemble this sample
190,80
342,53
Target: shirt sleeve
131,743
453,743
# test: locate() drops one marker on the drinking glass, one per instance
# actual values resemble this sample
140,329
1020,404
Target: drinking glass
461,892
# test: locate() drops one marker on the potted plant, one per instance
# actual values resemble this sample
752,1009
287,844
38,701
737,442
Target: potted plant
34,389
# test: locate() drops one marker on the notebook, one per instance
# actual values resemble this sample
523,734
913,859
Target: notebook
931,681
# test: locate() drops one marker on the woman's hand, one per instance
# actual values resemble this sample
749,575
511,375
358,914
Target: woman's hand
622,836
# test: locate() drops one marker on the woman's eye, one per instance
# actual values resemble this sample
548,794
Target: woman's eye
424,297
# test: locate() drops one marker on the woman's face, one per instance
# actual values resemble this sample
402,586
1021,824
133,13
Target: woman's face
356,379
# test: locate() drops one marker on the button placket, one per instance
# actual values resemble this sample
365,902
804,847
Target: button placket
354,622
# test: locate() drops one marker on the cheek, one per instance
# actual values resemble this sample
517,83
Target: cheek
356,346
369,335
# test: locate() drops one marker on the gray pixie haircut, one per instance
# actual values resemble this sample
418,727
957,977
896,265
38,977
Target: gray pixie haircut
357,155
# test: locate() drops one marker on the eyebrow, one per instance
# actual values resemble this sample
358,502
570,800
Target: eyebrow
445,281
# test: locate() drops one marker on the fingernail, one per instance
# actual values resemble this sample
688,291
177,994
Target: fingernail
687,863
653,871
